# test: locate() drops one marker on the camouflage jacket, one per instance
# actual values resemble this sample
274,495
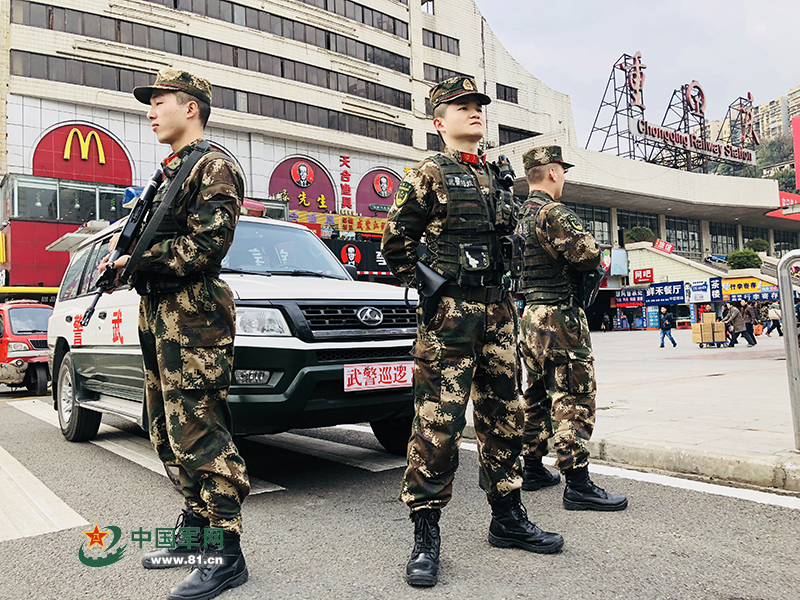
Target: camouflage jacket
564,231
420,209
208,207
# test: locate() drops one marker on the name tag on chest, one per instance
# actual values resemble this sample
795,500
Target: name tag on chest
460,181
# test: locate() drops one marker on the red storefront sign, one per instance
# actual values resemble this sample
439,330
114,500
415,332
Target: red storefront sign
643,276
376,192
664,246
82,152
307,184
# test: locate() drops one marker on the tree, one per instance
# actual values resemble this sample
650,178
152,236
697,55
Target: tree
744,259
786,181
757,245
639,234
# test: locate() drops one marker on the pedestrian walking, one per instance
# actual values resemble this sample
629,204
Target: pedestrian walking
750,320
665,323
554,342
466,335
607,325
186,329
736,320
774,315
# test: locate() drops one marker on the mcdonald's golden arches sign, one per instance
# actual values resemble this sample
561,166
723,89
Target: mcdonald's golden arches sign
81,152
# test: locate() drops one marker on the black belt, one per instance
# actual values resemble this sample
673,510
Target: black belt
486,295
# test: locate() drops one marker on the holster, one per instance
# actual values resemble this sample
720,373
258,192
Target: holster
429,286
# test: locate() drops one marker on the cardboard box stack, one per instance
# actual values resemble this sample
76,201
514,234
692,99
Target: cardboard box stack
708,331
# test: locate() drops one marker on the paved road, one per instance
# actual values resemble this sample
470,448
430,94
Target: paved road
332,528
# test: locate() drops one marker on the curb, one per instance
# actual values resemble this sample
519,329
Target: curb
781,471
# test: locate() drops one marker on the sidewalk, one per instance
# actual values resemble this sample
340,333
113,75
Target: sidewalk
721,413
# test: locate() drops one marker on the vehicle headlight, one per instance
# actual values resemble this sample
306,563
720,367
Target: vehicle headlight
18,347
261,321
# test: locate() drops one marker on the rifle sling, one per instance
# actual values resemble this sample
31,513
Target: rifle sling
154,222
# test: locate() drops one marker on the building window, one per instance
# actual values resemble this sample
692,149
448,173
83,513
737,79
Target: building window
427,7
140,35
785,241
751,233
724,239
43,199
431,39
509,135
435,142
278,108
597,220
362,14
506,93
685,234
202,49
439,74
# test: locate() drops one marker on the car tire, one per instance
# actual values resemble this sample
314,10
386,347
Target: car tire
77,424
36,380
393,434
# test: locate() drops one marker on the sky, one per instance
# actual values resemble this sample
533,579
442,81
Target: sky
730,48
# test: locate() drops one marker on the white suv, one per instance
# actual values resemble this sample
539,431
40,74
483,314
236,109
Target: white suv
313,348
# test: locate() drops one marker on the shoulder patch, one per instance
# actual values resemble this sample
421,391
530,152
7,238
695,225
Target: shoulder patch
574,222
403,191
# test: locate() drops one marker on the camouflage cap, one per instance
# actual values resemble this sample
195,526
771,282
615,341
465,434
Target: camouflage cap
456,87
174,80
536,157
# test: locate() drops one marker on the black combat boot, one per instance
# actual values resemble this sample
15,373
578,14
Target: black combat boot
510,528
164,558
581,494
536,476
423,566
220,568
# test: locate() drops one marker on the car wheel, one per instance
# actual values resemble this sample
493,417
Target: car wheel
77,424
393,434
37,379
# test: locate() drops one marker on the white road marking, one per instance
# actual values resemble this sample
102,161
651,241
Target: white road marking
684,484
131,447
29,507
353,456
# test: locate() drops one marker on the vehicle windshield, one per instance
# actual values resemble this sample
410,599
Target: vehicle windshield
29,319
276,250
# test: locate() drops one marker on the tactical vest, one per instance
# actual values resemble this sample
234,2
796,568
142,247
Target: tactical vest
468,249
545,280
170,228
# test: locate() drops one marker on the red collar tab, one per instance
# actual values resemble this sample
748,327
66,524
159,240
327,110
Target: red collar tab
169,159
473,159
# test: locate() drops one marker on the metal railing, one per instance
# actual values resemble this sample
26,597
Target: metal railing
790,336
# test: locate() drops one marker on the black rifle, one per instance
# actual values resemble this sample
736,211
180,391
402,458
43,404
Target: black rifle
429,286
127,240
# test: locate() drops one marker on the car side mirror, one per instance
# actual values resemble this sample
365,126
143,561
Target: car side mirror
352,271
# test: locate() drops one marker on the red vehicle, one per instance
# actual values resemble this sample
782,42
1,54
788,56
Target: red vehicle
23,344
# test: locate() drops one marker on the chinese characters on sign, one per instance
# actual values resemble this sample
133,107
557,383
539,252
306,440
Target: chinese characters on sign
377,376
347,192
629,298
116,321
664,246
643,276
673,292
635,79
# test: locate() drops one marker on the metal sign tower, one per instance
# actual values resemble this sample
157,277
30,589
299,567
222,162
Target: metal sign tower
623,99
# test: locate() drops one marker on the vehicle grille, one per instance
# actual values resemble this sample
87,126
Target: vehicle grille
351,355
343,316
38,344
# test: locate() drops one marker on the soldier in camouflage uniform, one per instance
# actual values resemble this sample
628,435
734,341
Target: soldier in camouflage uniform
554,342
186,329
465,344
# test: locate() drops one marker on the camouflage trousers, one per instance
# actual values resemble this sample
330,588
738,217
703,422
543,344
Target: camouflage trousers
560,397
466,350
188,354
